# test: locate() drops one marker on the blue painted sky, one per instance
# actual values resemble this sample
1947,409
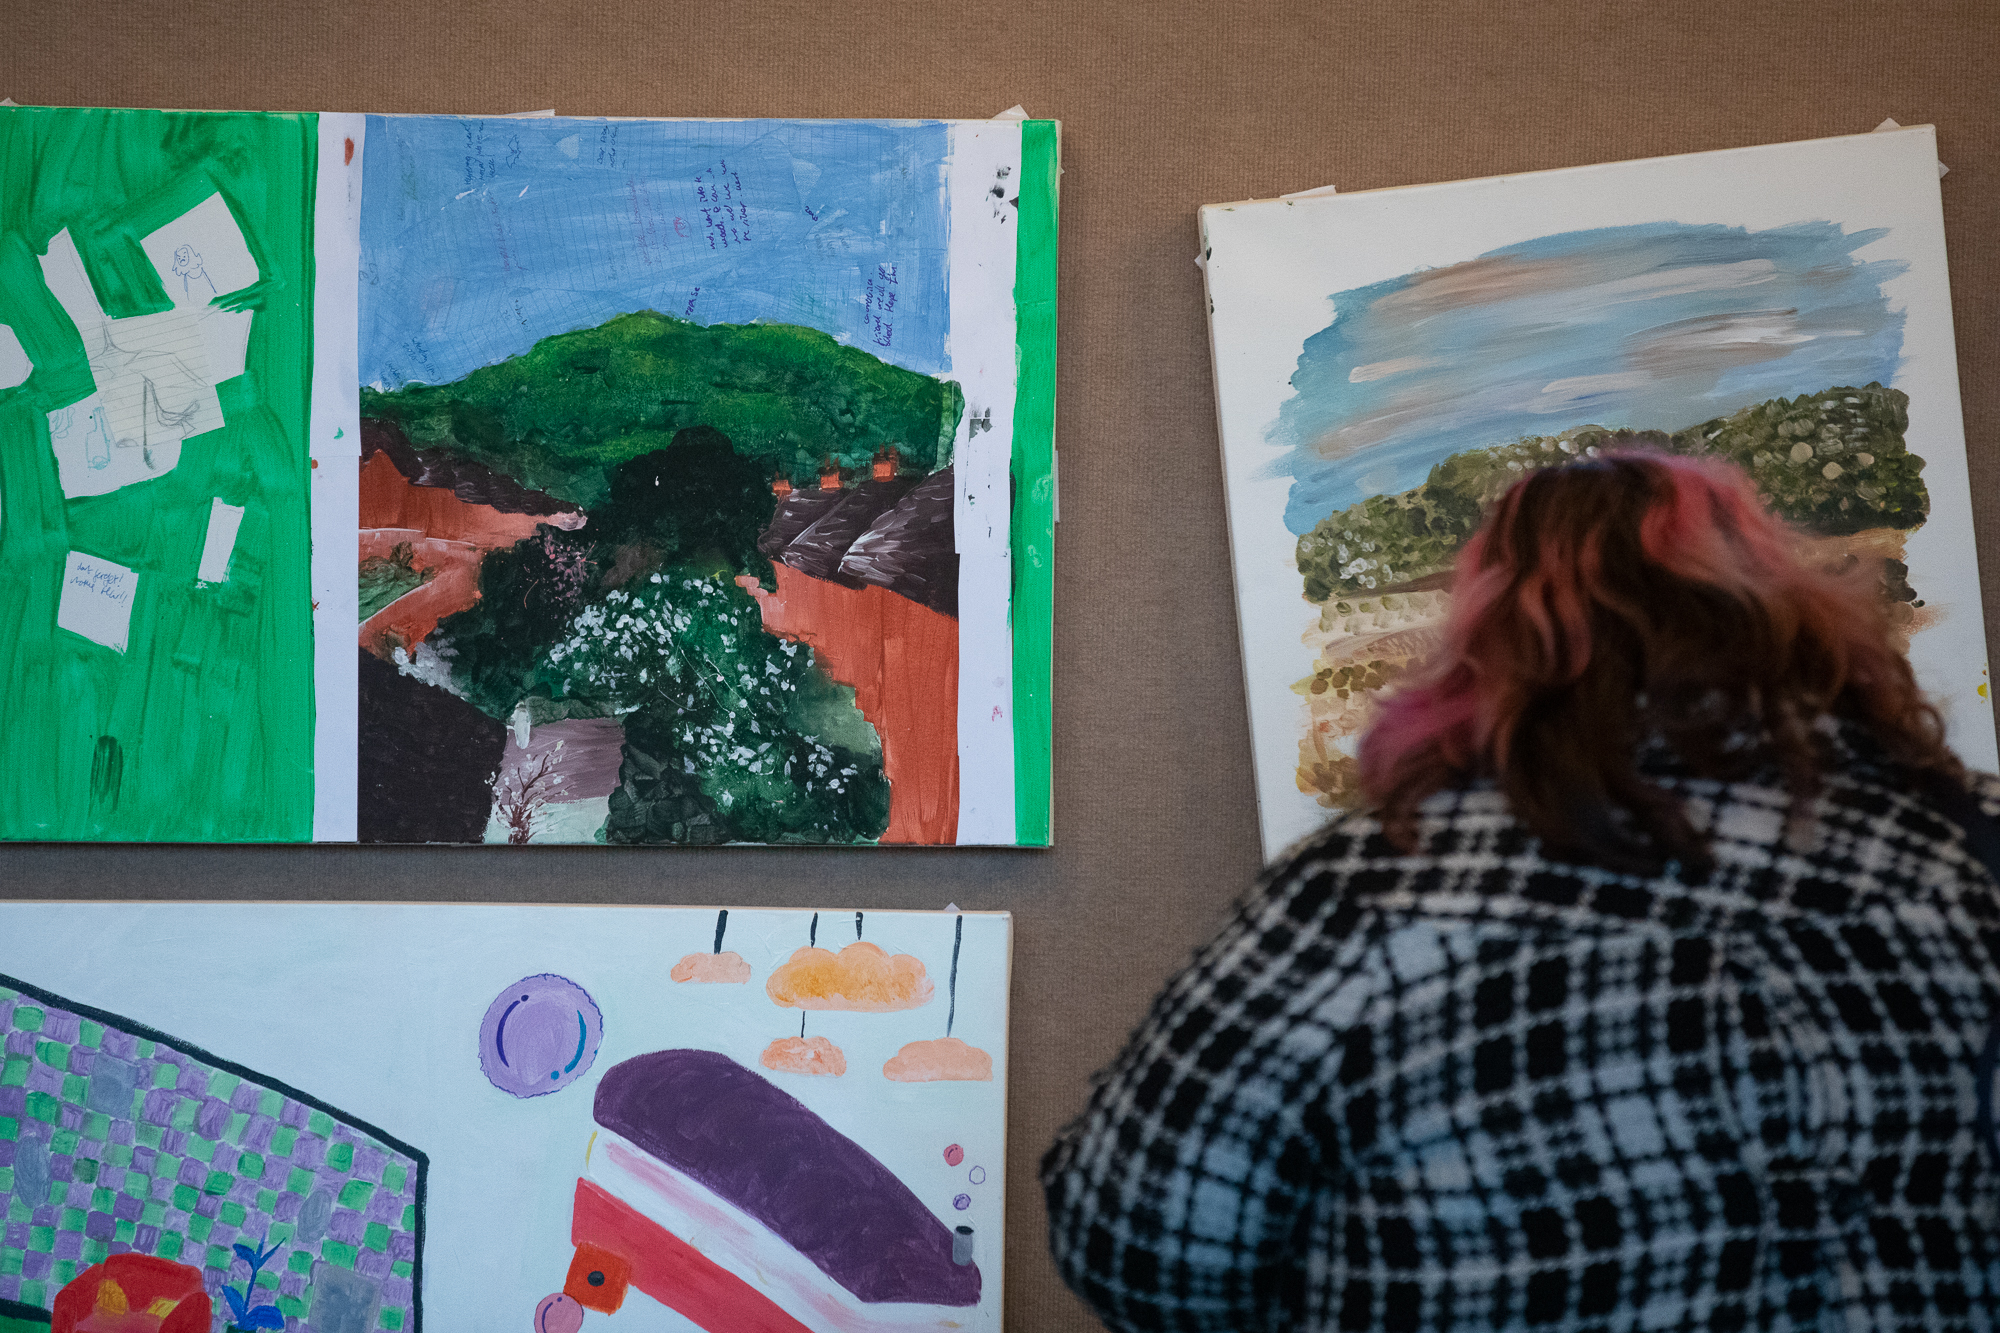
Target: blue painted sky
481,236
1661,325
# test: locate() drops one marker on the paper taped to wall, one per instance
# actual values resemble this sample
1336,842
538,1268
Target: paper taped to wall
97,600
201,254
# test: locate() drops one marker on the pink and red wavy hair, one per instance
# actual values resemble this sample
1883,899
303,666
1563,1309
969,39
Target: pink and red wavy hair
1626,599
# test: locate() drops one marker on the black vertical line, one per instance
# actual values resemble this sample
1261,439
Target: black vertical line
857,925
802,1025
721,924
957,935
812,932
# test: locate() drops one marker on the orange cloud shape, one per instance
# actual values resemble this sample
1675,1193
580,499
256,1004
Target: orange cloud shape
947,1058
860,977
727,967
937,1061
804,1055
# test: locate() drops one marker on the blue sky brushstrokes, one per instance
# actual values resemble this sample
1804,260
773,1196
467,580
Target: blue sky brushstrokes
1661,325
481,236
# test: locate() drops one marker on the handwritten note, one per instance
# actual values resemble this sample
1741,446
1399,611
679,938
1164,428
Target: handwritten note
96,601
879,296
15,367
721,203
201,254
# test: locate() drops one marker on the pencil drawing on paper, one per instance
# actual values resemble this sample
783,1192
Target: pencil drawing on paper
1430,393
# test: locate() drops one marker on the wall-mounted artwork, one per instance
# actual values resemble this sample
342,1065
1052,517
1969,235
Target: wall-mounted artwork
1388,362
559,480
635,1118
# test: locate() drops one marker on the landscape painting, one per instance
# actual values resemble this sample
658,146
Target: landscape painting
642,1118
526,480
1368,427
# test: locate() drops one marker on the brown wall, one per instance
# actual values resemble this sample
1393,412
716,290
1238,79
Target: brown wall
1166,105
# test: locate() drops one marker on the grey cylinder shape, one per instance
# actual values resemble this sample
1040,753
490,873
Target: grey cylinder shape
961,1246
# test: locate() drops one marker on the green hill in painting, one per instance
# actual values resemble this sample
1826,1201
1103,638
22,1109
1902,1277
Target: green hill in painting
561,417
1832,464
667,434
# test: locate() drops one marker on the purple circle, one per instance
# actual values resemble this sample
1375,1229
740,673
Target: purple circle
977,1175
540,1035
962,1202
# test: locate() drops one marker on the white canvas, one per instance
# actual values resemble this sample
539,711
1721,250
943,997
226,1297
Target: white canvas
1729,228
411,1035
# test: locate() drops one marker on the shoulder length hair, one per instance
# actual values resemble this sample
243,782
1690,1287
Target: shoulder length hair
1629,598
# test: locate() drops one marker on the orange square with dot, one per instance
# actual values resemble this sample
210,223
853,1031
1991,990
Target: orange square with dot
597,1278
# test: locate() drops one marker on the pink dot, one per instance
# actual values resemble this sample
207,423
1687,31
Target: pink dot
954,1155
558,1314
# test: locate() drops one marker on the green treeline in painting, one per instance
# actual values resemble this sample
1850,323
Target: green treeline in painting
1833,464
575,652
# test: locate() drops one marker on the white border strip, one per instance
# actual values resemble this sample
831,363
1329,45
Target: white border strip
335,444
983,243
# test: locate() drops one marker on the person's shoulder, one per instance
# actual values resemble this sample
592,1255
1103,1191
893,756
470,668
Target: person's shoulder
1350,866
1985,789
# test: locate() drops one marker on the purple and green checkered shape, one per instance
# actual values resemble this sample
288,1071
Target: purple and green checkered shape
114,1138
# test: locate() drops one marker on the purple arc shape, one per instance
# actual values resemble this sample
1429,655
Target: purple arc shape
767,1154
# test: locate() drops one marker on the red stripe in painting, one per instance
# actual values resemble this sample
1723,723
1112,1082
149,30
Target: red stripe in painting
672,1271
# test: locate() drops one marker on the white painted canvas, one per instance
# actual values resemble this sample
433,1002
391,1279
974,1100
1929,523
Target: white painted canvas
1362,339
459,1115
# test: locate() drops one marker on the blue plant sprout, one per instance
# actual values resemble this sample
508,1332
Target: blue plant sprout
241,1314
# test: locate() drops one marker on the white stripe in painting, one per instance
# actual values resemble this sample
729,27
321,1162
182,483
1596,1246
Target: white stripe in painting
220,544
985,157
731,1238
335,444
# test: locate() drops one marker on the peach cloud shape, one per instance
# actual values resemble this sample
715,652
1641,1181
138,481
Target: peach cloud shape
860,977
720,967
945,1059
804,1055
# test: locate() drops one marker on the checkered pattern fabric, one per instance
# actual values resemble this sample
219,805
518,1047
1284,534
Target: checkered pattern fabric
112,1142
1474,1089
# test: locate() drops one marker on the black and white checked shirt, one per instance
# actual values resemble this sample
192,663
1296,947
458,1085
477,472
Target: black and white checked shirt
1476,1089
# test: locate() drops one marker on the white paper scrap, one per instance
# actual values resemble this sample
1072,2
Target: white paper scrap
201,254
1317,192
223,521
1014,112
97,600
152,371
62,270
225,336
14,364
